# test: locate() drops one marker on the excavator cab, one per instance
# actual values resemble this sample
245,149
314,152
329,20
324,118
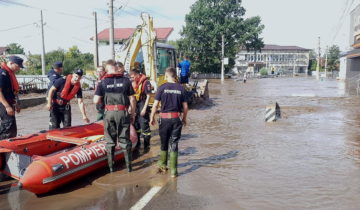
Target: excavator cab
165,57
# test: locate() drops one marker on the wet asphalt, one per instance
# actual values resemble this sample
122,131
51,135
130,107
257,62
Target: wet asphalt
229,157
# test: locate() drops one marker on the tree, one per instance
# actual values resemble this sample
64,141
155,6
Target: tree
333,58
73,52
207,21
33,65
15,48
312,60
53,56
72,59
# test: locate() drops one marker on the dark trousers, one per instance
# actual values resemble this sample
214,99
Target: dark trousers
142,123
100,115
117,129
58,115
8,128
100,108
184,79
170,133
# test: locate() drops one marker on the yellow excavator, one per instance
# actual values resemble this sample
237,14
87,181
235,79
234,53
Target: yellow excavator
143,52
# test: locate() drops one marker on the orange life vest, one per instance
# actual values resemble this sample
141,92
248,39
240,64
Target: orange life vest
139,86
67,94
14,83
112,75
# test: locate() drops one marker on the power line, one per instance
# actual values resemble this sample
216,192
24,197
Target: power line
149,11
16,3
16,27
345,12
73,37
54,11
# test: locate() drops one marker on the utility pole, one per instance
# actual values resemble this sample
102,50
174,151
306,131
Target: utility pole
326,60
318,62
96,54
294,64
111,31
43,45
222,58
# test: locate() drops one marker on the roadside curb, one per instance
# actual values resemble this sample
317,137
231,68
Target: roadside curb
30,102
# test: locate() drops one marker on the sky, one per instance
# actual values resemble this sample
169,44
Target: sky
70,22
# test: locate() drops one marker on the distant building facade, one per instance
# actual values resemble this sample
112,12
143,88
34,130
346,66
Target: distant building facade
121,35
350,61
287,59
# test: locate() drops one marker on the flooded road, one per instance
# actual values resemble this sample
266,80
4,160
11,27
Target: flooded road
230,158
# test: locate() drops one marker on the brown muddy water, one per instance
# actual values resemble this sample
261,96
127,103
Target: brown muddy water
230,158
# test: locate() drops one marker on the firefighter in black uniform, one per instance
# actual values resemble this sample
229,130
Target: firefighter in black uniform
116,92
100,108
55,73
142,88
173,115
59,97
9,88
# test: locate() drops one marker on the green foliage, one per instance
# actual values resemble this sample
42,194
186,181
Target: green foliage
73,52
312,60
312,64
263,72
2,59
72,59
15,48
207,21
333,58
53,56
33,65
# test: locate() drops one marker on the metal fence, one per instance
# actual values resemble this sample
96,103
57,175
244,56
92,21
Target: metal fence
207,76
29,83
32,82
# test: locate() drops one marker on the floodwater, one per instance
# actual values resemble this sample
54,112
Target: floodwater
230,158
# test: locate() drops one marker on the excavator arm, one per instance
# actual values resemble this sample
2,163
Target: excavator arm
143,38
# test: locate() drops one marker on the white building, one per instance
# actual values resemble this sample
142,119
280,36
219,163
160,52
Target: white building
350,61
287,59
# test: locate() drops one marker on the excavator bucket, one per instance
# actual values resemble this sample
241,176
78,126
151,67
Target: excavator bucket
197,92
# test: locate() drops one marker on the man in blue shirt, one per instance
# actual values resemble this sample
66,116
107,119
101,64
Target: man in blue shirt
185,70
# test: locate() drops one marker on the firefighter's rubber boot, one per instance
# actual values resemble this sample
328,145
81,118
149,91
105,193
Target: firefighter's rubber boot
128,159
173,164
147,143
162,163
111,158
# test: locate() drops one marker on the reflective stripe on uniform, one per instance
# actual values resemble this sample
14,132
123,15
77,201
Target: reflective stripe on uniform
146,133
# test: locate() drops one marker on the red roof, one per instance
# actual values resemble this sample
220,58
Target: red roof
125,33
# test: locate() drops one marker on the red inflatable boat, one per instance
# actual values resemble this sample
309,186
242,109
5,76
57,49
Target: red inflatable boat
44,161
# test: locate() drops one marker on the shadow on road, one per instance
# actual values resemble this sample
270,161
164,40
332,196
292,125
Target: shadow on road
204,105
196,164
